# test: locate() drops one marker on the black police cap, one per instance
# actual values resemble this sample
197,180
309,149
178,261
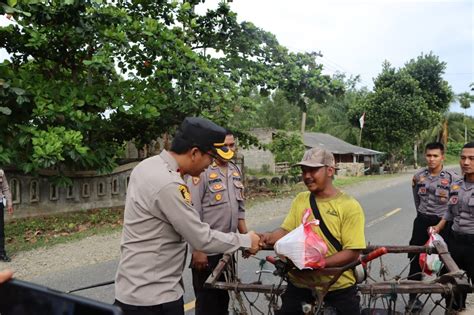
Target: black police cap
205,135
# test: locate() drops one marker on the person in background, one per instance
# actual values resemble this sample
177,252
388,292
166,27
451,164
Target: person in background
218,197
461,213
431,189
5,202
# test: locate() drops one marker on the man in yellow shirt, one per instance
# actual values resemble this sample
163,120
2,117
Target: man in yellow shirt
344,218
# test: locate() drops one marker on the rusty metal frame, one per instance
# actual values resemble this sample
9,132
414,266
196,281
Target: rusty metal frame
455,279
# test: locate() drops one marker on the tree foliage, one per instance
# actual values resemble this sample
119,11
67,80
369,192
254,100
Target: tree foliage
287,147
86,76
404,103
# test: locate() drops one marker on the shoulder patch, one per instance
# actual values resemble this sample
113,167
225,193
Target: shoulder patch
185,193
235,173
455,187
196,180
213,175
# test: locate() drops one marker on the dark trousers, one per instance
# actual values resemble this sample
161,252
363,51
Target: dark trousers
209,301
170,308
419,237
2,229
462,251
344,301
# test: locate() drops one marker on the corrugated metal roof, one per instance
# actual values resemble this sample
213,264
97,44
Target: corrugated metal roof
333,144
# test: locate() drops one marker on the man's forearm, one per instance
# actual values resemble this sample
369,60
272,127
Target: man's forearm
342,258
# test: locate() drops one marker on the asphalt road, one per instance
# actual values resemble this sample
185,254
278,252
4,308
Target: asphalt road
389,214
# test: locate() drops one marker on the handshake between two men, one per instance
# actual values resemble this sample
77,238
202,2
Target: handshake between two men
263,240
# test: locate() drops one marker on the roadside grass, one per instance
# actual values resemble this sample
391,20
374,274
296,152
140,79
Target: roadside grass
30,233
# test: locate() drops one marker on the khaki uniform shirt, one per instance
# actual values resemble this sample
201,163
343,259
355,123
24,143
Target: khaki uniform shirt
5,189
461,207
218,197
158,220
431,193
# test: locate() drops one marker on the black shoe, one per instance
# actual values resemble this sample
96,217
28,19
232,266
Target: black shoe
414,306
5,258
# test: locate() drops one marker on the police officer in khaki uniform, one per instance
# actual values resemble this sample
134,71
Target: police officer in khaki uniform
461,213
218,196
159,219
431,187
5,201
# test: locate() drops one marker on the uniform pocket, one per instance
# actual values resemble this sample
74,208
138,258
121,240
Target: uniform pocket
471,206
239,190
217,193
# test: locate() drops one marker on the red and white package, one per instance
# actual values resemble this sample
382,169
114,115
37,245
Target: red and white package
431,263
303,246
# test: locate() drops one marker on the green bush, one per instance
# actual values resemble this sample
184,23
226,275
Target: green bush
454,148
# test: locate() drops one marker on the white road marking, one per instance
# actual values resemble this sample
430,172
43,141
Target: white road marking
385,216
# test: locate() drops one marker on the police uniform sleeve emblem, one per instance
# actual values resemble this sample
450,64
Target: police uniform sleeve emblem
185,193
235,173
444,182
213,175
453,200
218,197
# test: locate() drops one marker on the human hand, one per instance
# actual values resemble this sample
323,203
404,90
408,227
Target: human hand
434,229
5,275
199,261
255,242
264,239
10,210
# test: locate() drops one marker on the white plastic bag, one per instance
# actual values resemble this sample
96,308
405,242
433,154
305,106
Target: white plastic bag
303,246
431,263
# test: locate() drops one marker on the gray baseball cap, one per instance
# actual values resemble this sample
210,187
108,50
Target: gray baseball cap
317,157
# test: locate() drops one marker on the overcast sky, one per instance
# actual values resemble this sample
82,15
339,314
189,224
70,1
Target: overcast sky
355,36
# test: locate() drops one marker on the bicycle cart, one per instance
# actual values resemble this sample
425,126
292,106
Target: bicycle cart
379,293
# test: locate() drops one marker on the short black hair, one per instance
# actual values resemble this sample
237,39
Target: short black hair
469,145
434,146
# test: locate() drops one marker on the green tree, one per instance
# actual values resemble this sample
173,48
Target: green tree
332,116
396,112
428,71
86,76
465,100
287,147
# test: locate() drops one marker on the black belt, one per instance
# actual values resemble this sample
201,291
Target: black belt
429,216
464,238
